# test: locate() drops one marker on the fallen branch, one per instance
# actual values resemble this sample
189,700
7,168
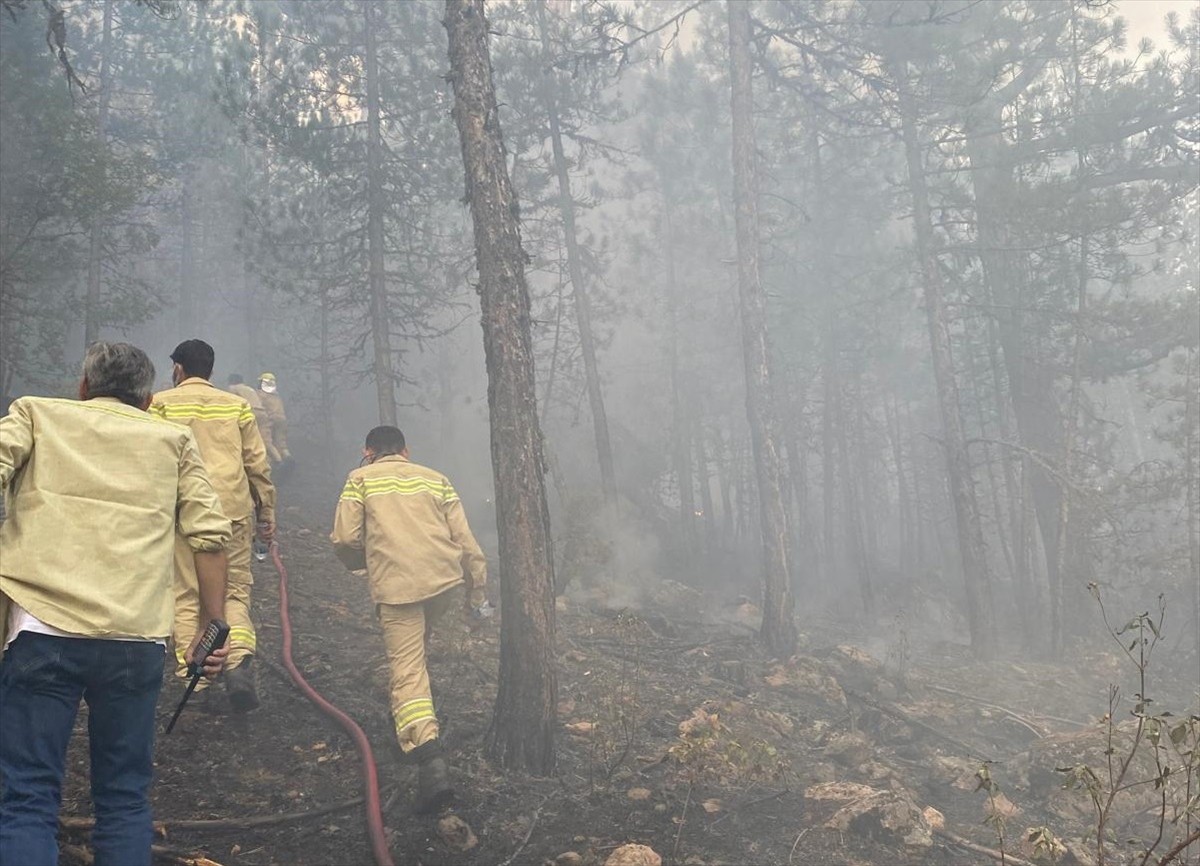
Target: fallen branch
84,855
1034,728
796,844
161,827
682,820
755,802
181,859
1179,848
900,715
528,833
967,844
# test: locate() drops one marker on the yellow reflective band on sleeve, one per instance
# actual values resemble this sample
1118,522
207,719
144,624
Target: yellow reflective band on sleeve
247,414
242,638
181,656
351,492
413,711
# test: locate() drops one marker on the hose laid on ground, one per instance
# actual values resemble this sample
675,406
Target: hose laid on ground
379,846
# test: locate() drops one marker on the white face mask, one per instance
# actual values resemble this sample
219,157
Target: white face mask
268,387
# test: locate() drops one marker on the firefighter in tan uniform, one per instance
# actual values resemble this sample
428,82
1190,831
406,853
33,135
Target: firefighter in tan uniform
272,403
237,385
405,525
236,460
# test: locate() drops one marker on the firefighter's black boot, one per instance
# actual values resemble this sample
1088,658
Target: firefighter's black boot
433,780
241,687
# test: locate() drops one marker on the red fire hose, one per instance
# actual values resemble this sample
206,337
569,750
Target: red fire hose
379,846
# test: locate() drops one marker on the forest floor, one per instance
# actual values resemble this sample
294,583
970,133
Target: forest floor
678,733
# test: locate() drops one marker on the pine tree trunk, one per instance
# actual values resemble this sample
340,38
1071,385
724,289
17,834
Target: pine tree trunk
522,730
904,502
852,516
958,467
1191,458
381,336
579,292
186,312
704,477
681,434
829,385
1035,406
325,372
91,307
778,629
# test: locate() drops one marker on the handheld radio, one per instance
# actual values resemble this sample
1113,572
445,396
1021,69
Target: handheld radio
214,636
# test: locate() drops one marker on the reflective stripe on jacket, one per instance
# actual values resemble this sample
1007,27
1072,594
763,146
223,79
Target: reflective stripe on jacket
405,524
233,450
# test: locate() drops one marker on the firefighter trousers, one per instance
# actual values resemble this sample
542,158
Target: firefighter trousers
237,599
406,629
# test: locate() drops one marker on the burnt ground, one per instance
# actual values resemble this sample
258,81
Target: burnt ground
678,733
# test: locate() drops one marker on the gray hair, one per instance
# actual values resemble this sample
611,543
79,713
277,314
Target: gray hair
118,370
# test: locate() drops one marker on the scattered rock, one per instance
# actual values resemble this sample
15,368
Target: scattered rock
566,706
855,668
560,605
1000,805
581,729
712,805
808,676
568,858
456,833
634,855
934,818
638,794
850,749
891,815
957,772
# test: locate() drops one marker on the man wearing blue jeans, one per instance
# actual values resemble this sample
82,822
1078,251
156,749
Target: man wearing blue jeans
94,490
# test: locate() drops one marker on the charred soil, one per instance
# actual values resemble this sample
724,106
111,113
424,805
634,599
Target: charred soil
678,733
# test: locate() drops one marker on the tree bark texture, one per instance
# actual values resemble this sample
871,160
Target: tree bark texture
381,336
778,629
522,730
958,467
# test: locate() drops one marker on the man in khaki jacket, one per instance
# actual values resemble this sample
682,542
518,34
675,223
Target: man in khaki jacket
233,452
96,491
405,525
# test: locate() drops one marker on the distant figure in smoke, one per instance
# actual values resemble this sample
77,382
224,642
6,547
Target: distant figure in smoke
236,459
237,385
405,525
272,403
97,490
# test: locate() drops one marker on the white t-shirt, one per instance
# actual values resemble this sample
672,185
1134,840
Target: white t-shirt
19,620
